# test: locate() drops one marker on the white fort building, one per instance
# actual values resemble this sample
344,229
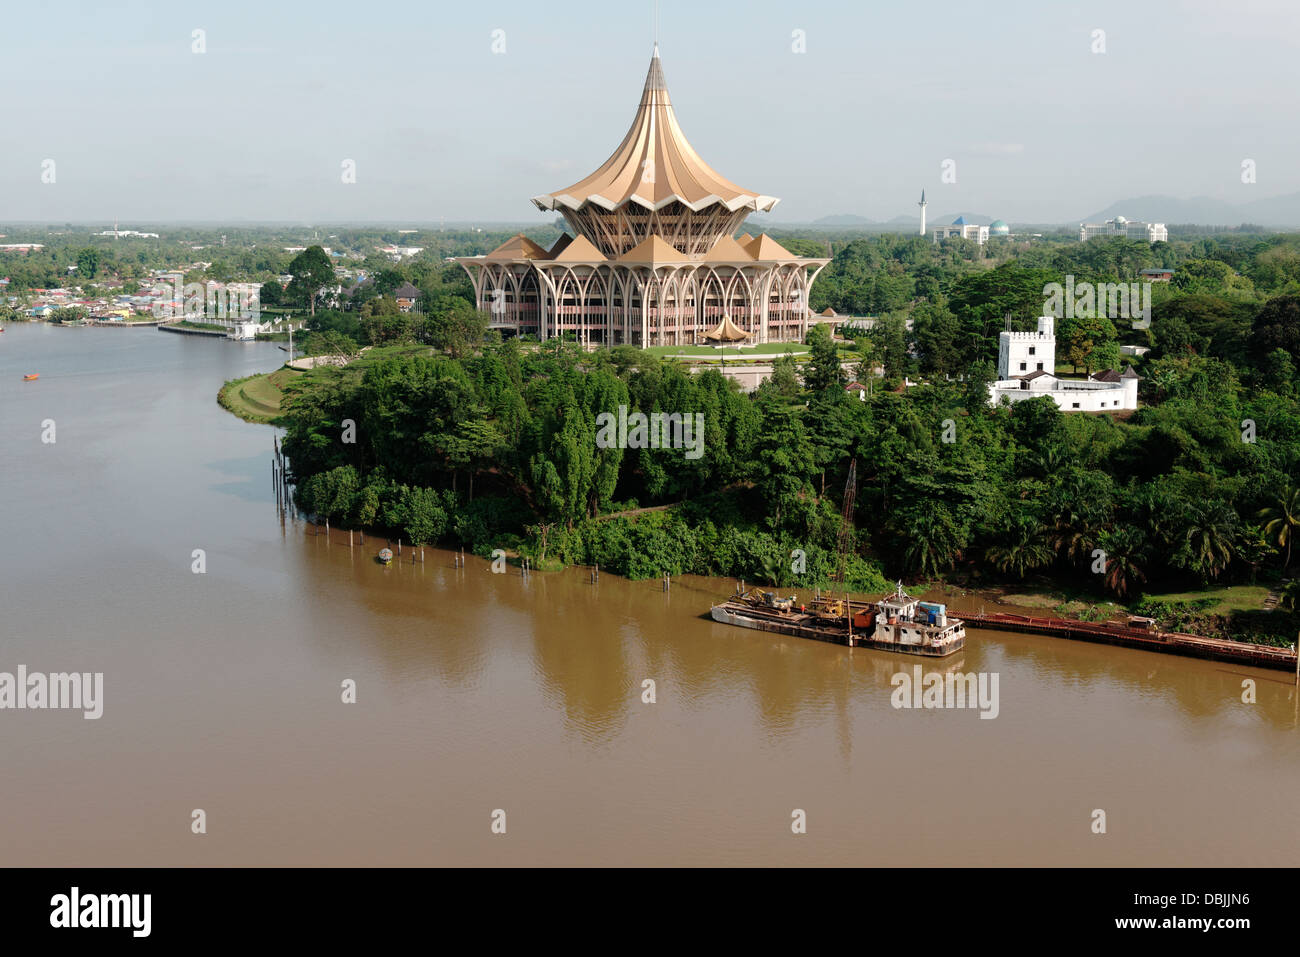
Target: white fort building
1027,370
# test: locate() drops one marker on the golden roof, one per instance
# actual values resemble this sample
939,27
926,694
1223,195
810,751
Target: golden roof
727,250
655,166
764,248
580,250
518,247
653,249
726,331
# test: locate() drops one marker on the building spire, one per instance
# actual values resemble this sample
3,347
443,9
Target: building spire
654,80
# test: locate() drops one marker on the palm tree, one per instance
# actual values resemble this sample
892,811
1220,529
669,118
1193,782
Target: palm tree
1211,540
1252,548
1124,558
1290,597
1282,519
1024,549
932,542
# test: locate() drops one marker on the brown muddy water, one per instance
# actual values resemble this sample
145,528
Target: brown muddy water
478,692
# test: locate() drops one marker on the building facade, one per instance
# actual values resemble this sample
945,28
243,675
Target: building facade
651,259
962,230
1119,226
1027,370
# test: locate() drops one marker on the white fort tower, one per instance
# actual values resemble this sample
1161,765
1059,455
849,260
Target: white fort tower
1027,370
1020,353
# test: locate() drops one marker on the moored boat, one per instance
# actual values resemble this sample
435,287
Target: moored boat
896,622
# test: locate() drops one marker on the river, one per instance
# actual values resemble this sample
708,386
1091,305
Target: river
478,692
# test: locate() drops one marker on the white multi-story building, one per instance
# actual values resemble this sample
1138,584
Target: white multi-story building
965,230
1027,370
1119,226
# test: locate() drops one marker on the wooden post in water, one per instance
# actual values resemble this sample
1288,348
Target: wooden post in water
848,610
399,548
349,538
327,529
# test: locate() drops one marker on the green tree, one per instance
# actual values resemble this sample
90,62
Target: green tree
1022,549
1125,551
312,274
823,369
455,326
1210,541
1282,519
890,337
1089,341
88,263
785,376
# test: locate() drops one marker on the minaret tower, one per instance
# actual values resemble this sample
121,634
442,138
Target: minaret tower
922,205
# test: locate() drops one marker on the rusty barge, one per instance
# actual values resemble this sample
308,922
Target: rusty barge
897,622
1143,634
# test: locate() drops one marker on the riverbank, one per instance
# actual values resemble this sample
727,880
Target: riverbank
261,398
257,398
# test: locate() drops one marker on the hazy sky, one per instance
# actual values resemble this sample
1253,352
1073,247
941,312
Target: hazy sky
257,127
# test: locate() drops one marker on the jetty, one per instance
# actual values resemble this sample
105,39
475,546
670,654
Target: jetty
186,331
1140,633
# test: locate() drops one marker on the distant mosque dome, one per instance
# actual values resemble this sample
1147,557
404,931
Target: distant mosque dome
999,228
1120,220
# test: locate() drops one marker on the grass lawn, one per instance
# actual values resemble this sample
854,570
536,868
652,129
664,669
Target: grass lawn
1228,598
257,398
1083,603
709,352
202,327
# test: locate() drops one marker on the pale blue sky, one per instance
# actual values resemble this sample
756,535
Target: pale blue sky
256,128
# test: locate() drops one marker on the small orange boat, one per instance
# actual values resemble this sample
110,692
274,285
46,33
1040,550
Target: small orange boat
30,376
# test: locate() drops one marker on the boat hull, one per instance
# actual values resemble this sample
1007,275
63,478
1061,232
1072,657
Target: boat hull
744,616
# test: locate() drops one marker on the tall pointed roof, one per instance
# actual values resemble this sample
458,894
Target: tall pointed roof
655,165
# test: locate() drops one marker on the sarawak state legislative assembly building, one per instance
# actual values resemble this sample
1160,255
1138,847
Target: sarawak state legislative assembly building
651,260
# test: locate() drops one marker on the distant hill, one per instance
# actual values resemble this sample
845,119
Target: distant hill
844,219
1272,211
906,219
946,219
1204,211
